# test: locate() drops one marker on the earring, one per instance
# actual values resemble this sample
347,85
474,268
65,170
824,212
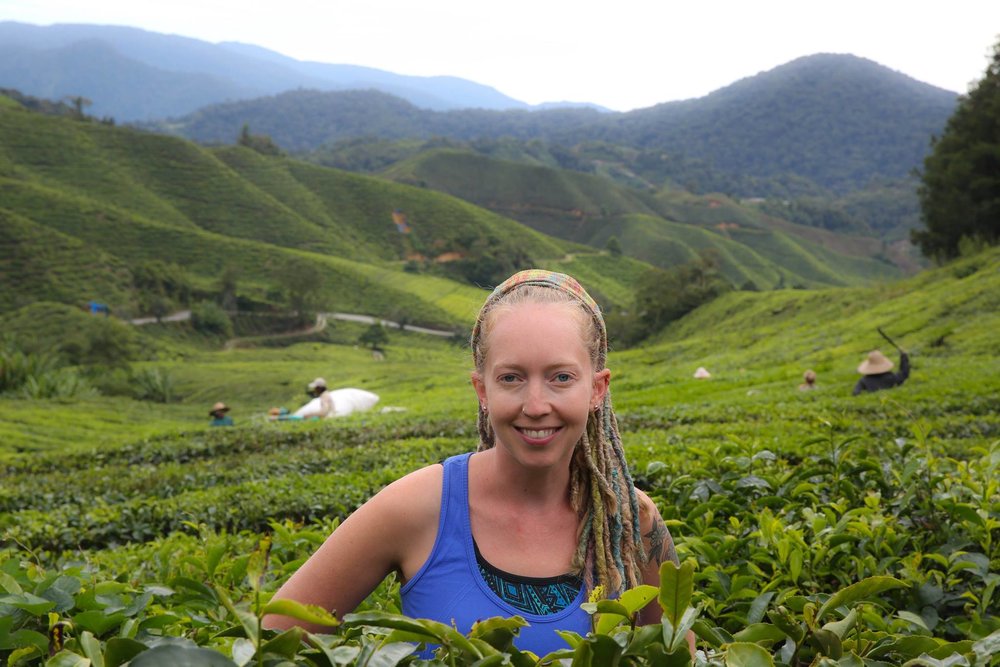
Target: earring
485,410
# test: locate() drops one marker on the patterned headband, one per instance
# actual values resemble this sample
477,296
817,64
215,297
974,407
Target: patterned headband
553,280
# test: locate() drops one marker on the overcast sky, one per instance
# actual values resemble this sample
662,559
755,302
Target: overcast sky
621,54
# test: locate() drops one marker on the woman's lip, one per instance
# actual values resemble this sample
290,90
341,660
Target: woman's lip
538,436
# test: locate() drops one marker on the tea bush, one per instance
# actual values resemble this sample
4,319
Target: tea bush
815,528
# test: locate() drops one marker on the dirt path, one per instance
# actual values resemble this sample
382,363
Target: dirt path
322,320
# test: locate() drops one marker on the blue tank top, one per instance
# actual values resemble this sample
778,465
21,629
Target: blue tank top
450,588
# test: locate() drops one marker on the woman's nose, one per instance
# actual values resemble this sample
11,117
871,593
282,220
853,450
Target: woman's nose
536,400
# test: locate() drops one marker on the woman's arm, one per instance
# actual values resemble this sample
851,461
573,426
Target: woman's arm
393,531
659,549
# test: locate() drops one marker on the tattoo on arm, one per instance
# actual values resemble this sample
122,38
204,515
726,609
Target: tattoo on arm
661,545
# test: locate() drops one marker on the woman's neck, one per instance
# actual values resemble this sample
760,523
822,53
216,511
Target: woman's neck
500,476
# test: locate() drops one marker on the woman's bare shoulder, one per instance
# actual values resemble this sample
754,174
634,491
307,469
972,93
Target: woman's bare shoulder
648,512
658,541
420,489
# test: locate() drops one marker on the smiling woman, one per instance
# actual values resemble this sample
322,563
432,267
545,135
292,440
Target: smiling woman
539,516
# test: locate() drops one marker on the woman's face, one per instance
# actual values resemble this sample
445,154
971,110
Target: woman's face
538,382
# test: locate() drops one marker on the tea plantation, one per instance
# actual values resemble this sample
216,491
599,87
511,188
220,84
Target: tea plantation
815,528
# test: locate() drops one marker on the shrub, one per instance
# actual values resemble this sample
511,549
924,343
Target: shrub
210,318
374,336
153,384
39,375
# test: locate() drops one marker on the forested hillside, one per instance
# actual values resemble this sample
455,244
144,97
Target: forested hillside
88,207
665,228
85,205
837,121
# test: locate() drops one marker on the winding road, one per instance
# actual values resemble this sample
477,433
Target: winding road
321,322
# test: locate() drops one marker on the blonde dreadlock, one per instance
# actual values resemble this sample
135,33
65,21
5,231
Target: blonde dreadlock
610,548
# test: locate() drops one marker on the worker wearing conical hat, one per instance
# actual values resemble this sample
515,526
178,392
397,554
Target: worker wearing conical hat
876,372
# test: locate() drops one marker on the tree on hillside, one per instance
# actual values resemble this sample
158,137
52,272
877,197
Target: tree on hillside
614,246
960,192
374,336
227,288
261,143
302,284
665,295
79,104
161,286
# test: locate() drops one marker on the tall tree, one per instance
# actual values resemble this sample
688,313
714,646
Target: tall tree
960,190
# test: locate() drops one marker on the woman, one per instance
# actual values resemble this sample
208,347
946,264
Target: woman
544,510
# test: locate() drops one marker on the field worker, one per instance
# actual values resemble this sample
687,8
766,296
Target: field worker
517,527
876,372
219,416
336,403
808,381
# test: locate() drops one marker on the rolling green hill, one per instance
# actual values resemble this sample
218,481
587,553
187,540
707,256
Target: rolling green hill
947,318
664,228
83,203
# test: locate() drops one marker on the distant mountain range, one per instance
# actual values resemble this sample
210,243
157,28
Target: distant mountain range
829,140
131,74
837,121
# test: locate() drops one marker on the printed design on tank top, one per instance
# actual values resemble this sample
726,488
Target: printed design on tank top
532,595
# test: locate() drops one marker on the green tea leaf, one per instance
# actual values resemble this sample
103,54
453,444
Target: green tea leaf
32,604
636,598
782,618
607,622
612,607
91,648
859,591
741,654
843,626
9,584
309,613
287,643
676,587
97,622
249,622
910,617
120,650
827,643
389,655
759,632
597,651
714,636
66,658
173,655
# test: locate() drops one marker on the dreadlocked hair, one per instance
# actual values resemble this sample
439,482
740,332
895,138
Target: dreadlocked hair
610,548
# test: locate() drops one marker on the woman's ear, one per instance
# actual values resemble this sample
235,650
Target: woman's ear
602,380
479,386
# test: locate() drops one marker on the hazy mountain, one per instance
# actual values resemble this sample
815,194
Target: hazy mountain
835,120
132,74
